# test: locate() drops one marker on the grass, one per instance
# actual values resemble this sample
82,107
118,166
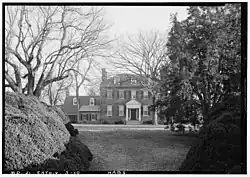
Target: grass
136,150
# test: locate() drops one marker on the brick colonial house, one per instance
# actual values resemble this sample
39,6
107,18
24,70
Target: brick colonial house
122,97
89,108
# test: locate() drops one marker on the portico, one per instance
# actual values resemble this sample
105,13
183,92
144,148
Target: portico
133,110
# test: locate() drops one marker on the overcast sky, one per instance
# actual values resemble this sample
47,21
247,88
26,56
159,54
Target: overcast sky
129,20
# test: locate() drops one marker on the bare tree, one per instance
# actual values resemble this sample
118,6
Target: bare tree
55,93
143,56
80,76
44,41
93,87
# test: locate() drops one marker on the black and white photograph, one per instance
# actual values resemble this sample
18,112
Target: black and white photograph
124,88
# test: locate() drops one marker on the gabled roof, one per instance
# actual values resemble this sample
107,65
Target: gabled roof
86,108
71,109
133,102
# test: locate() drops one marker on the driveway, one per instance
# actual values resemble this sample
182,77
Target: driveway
136,150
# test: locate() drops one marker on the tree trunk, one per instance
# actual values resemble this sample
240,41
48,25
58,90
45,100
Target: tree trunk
78,105
205,112
31,80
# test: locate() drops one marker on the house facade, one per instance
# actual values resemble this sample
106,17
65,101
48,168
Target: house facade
124,98
89,108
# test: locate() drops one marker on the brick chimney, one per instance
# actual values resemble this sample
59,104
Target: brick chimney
104,74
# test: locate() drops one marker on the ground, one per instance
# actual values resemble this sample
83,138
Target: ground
135,149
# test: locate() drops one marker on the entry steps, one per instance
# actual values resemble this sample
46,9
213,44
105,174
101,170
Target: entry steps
133,122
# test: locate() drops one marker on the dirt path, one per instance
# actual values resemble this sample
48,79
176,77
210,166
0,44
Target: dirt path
136,150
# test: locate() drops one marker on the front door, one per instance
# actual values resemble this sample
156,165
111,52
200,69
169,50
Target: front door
133,114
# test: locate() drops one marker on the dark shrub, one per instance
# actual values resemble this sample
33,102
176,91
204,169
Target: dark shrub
167,127
76,157
147,122
119,122
219,144
105,122
71,129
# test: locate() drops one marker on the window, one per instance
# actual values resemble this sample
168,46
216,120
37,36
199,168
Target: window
145,110
133,94
109,110
93,117
145,94
109,94
121,94
133,81
74,101
85,116
92,102
121,110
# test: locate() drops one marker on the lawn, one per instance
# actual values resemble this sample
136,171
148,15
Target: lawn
136,150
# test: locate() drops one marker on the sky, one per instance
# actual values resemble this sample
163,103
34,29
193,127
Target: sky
129,20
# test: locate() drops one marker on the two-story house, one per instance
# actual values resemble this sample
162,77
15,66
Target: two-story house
123,97
89,108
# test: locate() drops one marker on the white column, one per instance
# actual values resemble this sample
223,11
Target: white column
156,116
126,113
129,114
140,113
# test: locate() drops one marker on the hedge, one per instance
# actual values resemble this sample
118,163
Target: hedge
219,146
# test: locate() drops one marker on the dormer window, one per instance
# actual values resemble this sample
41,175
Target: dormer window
133,81
117,80
74,101
92,102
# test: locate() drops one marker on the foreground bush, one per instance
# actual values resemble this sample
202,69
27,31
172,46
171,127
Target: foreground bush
71,129
147,122
36,137
219,145
33,132
75,157
119,122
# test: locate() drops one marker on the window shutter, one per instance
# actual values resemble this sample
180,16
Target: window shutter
117,110
137,95
125,94
118,95
129,97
